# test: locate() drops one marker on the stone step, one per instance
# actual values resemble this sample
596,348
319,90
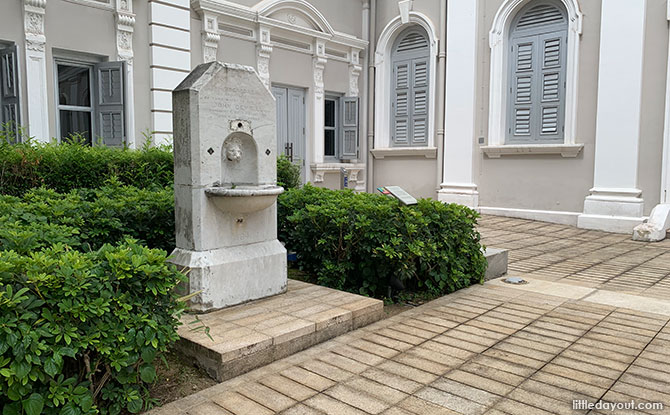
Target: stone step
257,333
497,263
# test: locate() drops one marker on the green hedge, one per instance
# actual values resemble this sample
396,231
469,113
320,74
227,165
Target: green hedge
67,166
86,219
288,174
361,242
80,332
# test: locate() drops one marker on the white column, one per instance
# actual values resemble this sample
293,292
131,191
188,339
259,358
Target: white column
170,60
458,183
210,37
36,69
356,174
615,203
318,104
263,54
125,24
665,178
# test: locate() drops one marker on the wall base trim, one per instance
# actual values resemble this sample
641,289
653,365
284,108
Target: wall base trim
560,217
616,224
460,193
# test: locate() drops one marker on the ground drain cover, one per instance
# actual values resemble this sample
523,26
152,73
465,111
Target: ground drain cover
515,280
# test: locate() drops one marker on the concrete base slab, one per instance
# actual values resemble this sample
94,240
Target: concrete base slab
497,263
255,334
222,274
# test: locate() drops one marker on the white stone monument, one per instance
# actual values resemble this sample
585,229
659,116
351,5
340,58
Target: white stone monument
225,187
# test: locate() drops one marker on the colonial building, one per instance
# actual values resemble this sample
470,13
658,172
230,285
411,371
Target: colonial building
554,110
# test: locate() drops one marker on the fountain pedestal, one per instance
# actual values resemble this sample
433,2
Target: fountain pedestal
225,187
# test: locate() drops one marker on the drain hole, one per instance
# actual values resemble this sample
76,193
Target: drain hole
515,280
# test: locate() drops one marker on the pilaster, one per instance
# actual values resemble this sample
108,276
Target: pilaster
318,105
125,25
34,13
615,203
458,183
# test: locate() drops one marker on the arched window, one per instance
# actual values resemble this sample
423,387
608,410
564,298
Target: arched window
537,74
409,88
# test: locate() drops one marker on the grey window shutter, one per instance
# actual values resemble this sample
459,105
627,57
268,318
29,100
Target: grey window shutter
419,102
110,116
536,104
409,117
349,128
401,103
552,80
11,110
523,97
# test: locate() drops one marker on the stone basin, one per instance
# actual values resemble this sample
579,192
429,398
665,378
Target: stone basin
244,199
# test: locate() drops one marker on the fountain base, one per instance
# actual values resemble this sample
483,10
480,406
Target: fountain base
223,274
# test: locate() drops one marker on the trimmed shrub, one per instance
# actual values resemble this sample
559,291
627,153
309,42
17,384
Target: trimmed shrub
361,242
67,166
80,332
288,174
87,218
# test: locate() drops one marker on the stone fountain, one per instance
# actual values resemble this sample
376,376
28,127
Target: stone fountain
225,187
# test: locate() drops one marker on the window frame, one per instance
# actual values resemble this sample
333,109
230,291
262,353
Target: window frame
410,58
336,98
498,35
92,95
536,36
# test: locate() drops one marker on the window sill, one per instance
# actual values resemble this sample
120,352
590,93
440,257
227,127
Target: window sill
320,169
565,150
427,152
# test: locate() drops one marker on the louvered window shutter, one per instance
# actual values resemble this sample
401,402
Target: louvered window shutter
522,98
9,74
349,128
409,121
536,105
110,123
419,102
552,94
401,125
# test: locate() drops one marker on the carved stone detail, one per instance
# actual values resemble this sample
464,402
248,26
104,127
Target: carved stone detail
210,38
125,25
263,53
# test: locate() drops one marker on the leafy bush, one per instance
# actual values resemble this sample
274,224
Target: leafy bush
72,165
288,174
361,242
80,332
87,218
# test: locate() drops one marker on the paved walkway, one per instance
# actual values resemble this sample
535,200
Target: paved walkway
490,349
570,255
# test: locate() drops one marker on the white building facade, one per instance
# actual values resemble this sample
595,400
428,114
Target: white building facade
554,110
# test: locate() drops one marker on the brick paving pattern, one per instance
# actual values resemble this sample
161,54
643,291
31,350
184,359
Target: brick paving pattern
490,349
570,255
484,350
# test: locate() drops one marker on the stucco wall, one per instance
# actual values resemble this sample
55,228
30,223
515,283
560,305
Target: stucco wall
542,182
653,104
415,175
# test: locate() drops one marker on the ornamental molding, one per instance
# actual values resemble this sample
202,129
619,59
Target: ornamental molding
125,26
210,37
260,14
33,20
263,54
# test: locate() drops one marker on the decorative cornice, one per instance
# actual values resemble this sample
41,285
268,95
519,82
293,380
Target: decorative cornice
33,24
125,25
